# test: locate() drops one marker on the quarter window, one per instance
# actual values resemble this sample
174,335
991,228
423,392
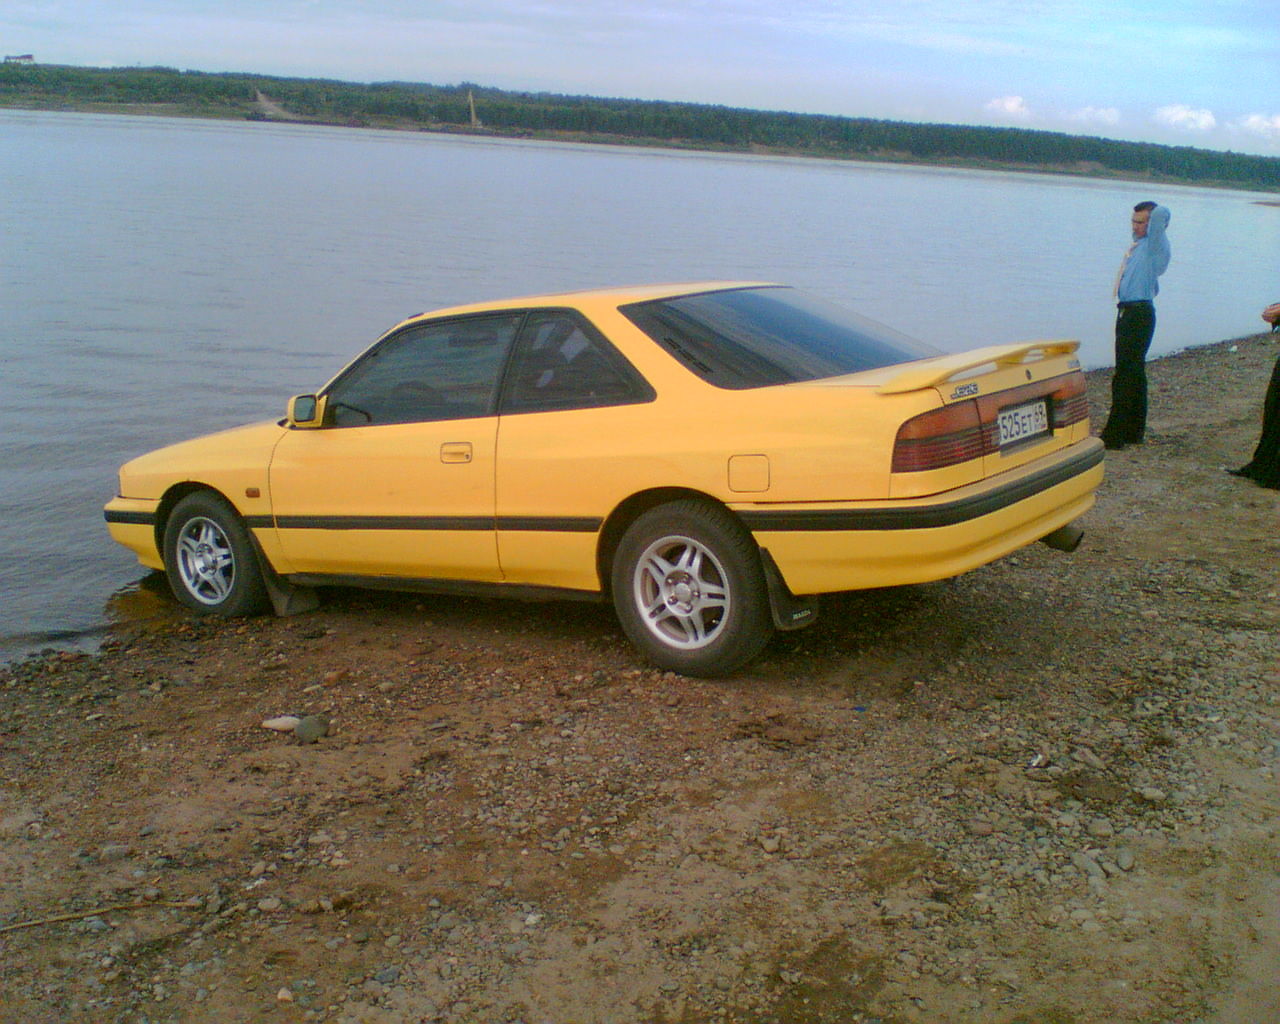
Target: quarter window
563,362
439,370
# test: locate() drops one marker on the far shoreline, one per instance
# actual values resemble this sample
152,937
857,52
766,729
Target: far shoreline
1090,173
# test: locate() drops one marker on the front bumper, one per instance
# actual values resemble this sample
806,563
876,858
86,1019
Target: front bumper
132,522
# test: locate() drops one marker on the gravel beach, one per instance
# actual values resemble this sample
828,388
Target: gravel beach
1042,793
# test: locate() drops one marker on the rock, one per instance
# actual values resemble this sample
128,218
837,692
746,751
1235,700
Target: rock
1087,864
311,728
1086,756
282,723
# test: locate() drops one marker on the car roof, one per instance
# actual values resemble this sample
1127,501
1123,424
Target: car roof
614,296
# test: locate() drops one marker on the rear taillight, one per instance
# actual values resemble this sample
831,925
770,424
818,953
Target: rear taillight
967,430
1069,402
939,438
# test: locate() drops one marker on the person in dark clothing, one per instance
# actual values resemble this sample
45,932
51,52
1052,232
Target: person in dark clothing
1264,468
1136,288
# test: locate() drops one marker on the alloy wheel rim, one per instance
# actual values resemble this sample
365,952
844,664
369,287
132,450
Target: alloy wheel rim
681,592
206,562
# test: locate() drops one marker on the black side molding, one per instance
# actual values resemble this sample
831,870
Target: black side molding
943,514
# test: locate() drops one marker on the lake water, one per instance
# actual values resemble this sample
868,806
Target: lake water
163,278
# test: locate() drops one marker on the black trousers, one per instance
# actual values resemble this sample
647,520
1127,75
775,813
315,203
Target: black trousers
1135,327
1265,466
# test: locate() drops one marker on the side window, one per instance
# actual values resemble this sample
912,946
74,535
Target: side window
441,370
562,362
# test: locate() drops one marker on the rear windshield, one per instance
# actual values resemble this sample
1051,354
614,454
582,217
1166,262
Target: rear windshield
755,337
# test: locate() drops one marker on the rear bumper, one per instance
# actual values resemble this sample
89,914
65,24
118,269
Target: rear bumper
855,545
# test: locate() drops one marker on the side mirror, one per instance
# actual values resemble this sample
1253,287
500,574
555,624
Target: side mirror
306,412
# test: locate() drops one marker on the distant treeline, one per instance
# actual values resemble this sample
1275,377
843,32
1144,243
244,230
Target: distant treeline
587,118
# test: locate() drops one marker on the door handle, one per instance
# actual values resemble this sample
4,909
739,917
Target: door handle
455,451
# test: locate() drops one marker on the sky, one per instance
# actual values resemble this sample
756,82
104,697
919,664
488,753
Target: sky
1202,73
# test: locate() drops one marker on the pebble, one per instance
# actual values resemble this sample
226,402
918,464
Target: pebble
1087,864
1086,756
311,728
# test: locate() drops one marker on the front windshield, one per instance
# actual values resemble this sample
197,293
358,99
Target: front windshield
755,337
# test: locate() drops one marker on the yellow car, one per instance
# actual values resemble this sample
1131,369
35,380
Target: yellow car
709,456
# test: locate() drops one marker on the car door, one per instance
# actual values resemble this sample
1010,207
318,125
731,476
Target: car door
399,479
572,409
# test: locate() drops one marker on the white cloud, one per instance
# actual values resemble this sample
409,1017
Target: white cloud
1011,107
1265,125
1096,115
1187,119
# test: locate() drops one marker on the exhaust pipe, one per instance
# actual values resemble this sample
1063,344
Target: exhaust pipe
1064,538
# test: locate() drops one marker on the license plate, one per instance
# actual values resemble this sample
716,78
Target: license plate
1019,422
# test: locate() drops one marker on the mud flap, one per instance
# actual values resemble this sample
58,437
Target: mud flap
289,598
286,598
789,612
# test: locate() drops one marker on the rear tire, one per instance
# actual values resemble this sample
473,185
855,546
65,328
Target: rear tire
689,590
210,560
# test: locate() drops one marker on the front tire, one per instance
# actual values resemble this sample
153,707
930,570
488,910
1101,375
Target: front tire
689,591
210,560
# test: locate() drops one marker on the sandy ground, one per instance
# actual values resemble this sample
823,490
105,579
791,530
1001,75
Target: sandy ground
1043,793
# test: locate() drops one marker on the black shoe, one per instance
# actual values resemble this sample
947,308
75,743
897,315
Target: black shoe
1114,446
1243,471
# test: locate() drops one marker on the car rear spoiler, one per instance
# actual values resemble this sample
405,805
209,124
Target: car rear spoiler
929,374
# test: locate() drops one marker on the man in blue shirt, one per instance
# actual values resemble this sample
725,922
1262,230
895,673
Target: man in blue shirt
1136,287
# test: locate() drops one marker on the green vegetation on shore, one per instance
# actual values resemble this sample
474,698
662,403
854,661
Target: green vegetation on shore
404,105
